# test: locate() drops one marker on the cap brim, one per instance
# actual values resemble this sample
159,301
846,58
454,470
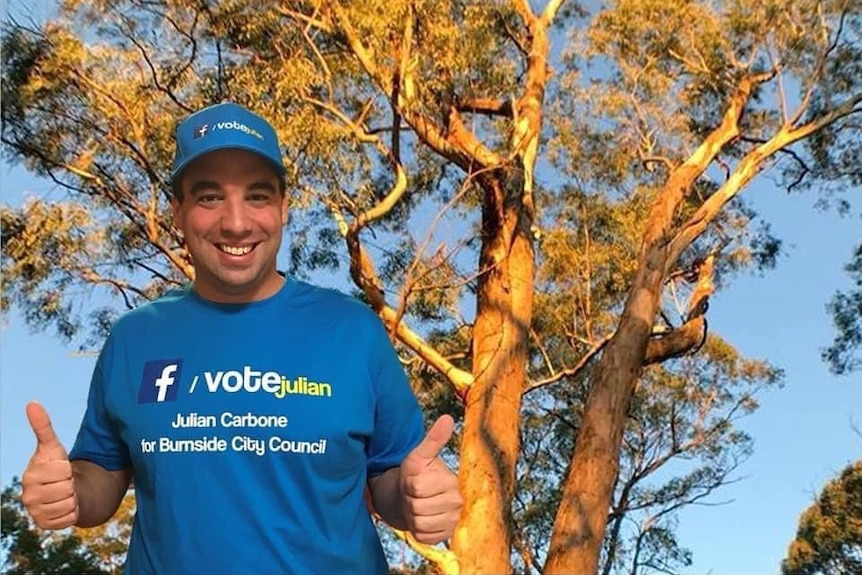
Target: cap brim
178,170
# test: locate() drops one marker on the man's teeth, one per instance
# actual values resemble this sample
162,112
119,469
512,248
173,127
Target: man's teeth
236,250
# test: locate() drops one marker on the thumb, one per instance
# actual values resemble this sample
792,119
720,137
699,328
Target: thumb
427,451
48,446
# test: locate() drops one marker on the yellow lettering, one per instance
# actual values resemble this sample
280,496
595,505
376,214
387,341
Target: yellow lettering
301,386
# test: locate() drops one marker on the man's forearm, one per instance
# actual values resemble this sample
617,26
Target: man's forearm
387,499
99,492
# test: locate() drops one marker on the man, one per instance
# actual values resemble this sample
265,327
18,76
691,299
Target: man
251,409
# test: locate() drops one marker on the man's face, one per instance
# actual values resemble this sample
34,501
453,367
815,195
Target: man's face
232,214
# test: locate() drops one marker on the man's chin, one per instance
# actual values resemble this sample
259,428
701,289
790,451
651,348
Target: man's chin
250,283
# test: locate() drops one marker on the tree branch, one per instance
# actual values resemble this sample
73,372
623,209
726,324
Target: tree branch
527,124
309,21
572,371
821,66
363,273
681,179
747,168
550,11
487,106
157,274
692,334
527,555
444,559
455,145
91,276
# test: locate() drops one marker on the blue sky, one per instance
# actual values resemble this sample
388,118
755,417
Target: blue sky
802,432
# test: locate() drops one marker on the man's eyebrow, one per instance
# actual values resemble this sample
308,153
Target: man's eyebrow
203,186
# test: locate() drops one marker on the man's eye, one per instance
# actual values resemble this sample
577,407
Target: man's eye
259,198
208,198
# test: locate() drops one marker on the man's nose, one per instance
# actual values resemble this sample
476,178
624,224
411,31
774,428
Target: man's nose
235,217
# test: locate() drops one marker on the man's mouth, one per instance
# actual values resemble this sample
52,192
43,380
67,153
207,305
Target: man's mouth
236,250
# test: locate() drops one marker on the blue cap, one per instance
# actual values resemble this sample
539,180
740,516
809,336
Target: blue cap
225,126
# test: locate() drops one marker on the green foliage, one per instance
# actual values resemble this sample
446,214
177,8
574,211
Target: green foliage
95,139
109,542
846,310
829,538
91,99
681,444
29,550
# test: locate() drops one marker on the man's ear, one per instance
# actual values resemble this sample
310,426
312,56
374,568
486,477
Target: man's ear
175,212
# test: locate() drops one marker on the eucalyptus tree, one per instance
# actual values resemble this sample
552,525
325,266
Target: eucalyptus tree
538,199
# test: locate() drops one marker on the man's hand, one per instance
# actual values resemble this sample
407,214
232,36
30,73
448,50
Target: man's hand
48,489
431,498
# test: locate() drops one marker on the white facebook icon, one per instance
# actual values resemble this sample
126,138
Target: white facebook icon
160,381
165,380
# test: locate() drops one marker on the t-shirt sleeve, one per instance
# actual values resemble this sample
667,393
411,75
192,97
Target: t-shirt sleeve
98,439
398,422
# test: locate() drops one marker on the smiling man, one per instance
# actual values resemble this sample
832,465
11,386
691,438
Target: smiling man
230,202
328,412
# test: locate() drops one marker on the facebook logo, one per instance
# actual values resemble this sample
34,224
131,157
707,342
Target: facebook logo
201,131
161,381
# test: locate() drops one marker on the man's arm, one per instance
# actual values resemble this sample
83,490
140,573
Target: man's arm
98,491
387,498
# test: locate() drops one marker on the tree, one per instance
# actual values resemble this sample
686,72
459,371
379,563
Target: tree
846,309
680,445
109,542
829,537
29,550
590,198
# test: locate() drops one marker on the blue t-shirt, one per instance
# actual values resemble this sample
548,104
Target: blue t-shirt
251,430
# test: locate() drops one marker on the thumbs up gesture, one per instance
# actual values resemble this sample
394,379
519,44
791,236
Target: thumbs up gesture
431,498
48,489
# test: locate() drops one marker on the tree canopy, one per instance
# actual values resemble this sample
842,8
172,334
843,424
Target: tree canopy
829,537
846,308
538,199
28,550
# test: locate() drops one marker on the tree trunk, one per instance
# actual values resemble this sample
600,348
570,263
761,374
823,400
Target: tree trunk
579,527
490,441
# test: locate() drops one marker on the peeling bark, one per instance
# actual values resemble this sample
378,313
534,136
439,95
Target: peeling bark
678,342
692,334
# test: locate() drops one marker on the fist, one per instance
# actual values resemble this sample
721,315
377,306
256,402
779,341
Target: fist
48,487
431,497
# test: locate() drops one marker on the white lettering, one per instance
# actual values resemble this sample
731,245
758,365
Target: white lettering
234,125
278,444
165,380
213,381
169,445
244,444
236,385
253,380
229,419
271,382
